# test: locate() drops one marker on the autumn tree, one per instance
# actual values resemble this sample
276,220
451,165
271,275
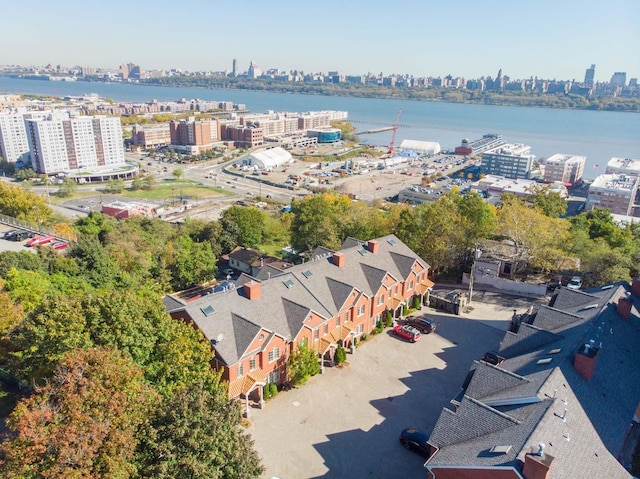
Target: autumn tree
23,204
317,221
550,202
81,423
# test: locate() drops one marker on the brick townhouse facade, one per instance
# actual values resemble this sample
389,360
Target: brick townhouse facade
329,301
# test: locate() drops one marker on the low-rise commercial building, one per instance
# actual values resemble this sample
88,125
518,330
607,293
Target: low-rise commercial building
513,161
615,192
567,169
624,166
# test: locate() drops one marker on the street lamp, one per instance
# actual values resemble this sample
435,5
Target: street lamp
476,255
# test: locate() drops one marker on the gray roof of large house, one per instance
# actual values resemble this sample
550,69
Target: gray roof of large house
288,297
537,382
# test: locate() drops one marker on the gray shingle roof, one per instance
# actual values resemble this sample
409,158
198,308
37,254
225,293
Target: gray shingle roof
587,438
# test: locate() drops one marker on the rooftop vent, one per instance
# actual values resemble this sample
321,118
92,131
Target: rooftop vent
590,306
208,310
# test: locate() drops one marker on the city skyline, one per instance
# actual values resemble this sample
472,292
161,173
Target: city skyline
525,39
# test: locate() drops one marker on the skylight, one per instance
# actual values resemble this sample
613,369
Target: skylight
288,283
544,361
208,310
500,449
555,351
307,274
392,242
362,251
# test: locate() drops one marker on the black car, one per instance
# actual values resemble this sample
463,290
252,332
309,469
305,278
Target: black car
416,441
424,325
18,235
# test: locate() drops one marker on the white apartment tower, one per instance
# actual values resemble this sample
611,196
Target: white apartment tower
64,145
14,145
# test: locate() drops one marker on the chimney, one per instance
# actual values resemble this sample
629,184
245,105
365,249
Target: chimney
537,465
339,259
252,290
373,246
624,307
635,287
585,360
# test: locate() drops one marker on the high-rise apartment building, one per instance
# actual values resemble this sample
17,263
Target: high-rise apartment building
14,145
511,161
567,169
69,144
589,75
619,79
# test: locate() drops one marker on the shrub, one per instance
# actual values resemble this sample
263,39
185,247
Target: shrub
416,302
355,342
405,310
273,389
389,320
364,337
341,355
266,391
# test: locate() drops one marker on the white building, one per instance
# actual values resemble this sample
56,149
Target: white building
269,159
567,169
13,135
67,145
623,166
422,147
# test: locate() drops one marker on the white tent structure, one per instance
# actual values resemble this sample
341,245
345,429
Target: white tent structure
269,159
422,147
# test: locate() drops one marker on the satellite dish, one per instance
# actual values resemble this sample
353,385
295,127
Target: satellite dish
220,337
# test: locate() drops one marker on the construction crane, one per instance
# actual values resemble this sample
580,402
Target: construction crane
393,136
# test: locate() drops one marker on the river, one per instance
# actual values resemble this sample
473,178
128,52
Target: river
599,135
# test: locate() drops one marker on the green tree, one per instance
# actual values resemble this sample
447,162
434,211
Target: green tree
177,173
242,226
195,435
67,188
303,363
341,355
114,186
23,204
317,221
191,263
19,260
549,201
24,174
81,423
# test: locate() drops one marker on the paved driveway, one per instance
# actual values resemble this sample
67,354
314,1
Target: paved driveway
346,422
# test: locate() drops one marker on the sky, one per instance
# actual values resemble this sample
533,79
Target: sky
468,38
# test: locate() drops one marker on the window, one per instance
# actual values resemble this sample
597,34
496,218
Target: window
361,310
274,354
325,328
316,335
338,322
274,377
252,364
346,316
374,321
240,370
360,328
410,286
380,299
390,293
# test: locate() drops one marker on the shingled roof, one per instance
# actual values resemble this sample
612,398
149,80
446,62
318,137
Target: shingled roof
288,297
581,423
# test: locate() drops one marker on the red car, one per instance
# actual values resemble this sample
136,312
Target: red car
407,332
40,240
59,245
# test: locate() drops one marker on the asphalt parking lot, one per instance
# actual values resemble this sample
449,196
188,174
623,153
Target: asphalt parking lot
346,422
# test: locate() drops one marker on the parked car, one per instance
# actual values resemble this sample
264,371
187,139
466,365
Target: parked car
59,245
492,357
407,332
17,235
416,441
228,271
575,283
40,240
424,325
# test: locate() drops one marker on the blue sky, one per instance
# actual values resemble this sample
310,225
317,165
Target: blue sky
545,38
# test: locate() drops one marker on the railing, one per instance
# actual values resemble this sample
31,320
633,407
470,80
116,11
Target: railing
32,228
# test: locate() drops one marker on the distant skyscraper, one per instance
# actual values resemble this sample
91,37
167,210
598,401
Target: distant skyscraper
619,79
234,70
254,71
589,75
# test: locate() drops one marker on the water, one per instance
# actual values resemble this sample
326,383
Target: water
596,134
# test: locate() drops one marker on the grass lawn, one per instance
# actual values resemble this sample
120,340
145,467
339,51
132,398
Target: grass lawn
174,189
